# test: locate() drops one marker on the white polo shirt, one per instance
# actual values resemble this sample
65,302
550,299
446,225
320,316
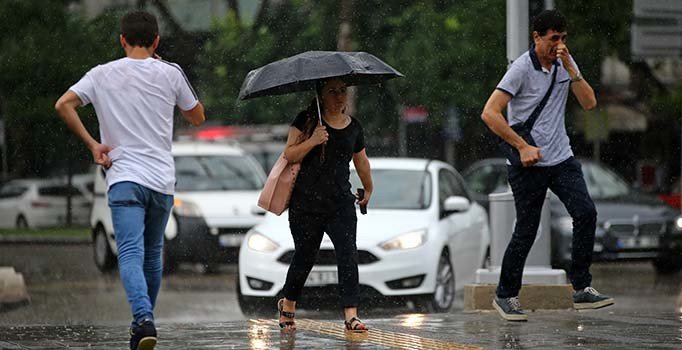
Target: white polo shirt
134,101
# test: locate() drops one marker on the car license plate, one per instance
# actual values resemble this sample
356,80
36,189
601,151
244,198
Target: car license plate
648,242
639,242
321,278
628,242
230,240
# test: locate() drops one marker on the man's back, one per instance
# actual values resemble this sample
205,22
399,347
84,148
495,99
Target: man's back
134,100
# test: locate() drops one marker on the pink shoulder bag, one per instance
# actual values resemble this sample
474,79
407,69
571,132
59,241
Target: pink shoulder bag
277,189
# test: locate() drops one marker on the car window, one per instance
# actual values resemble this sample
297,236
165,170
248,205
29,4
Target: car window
486,179
398,189
217,173
58,191
449,185
10,191
604,183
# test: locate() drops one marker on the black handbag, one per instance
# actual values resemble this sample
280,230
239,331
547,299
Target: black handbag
523,129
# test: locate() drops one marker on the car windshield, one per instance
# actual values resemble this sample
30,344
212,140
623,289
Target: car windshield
398,189
216,173
603,183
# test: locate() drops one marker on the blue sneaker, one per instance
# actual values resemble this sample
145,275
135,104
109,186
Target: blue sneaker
589,298
510,309
143,335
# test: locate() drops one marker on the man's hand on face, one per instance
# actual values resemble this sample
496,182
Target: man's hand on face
563,54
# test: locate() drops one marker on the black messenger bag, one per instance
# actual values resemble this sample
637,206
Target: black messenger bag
523,129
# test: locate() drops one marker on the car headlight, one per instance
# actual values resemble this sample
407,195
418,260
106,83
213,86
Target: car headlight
677,227
260,243
565,224
186,208
407,240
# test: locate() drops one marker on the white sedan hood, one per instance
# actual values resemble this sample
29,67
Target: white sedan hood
374,228
218,206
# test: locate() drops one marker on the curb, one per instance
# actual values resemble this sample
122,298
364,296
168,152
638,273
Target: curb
12,289
29,239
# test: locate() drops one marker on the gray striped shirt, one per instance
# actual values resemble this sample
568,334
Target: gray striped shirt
527,82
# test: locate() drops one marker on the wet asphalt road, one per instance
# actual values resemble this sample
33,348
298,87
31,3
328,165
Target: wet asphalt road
66,289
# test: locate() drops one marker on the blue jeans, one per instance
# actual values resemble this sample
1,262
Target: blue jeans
529,186
139,216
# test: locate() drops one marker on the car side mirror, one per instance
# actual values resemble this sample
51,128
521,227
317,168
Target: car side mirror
456,204
256,210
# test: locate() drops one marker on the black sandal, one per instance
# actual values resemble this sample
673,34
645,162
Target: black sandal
359,326
287,314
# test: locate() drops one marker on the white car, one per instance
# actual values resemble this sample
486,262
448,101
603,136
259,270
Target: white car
217,188
33,203
422,240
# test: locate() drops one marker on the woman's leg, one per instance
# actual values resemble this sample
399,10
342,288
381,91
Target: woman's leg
342,231
307,231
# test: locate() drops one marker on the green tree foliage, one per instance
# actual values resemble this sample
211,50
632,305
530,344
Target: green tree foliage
597,29
285,29
450,52
452,55
45,50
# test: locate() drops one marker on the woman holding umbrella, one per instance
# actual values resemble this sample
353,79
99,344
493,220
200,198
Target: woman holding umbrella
324,140
322,200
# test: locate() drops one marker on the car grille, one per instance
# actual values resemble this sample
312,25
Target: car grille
635,229
651,229
232,230
328,257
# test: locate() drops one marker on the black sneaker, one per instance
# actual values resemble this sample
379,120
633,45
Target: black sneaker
589,298
510,309
143,336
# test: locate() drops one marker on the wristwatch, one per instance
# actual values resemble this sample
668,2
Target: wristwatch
577,78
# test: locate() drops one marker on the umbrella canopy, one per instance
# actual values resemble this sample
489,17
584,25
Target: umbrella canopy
301,72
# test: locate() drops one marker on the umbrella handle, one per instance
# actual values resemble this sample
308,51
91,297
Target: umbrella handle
319,113
319,116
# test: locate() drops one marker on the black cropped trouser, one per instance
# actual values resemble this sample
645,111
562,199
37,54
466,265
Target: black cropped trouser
307,230
529,186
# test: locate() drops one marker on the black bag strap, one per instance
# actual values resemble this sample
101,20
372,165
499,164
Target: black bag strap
538,109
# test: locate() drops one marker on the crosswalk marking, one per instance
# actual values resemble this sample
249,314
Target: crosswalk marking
373,336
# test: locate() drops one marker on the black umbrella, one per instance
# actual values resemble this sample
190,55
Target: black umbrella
301,72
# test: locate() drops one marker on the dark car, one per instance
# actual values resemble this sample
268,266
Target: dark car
671,196
630,224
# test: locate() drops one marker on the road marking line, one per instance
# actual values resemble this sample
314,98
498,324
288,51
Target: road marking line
374,336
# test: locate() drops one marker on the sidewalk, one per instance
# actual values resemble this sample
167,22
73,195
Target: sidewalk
596,329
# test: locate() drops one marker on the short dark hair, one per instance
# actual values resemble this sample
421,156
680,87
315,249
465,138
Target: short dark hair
549,19
139,28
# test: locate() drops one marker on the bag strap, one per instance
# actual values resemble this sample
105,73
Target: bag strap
538,109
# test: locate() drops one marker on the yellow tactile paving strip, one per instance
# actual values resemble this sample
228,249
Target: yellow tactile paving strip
374,336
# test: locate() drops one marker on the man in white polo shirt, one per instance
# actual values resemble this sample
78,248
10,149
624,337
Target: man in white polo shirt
134,98
544,160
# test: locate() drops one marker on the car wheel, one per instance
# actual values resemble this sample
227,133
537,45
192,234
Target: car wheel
667,265
255,306
21,222
444,296
104,257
